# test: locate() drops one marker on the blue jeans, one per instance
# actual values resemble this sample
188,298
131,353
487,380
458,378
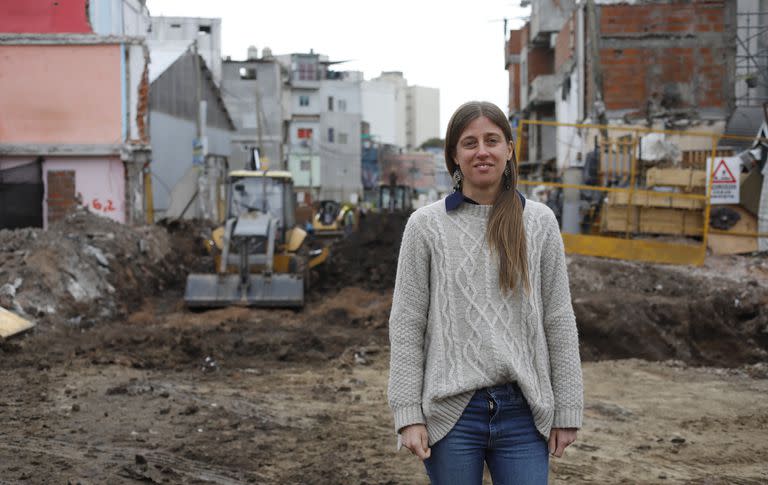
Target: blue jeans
497,428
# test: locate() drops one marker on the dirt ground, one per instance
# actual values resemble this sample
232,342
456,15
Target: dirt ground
675,369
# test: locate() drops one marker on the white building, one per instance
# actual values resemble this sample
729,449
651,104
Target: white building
323,140
206,31
340,127
385,107
398,114
423,115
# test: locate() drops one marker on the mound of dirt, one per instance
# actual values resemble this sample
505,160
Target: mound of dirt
367,258
85,267
657,312
703,316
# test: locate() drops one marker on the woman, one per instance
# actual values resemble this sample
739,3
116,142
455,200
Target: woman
484,350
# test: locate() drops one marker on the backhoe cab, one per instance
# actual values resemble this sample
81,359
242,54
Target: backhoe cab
334,220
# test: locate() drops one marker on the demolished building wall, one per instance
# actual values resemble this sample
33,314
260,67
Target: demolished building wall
173,113
94,118
666,57
663,64
512,65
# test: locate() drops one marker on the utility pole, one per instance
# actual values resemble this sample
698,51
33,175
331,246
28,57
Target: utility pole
597,71
199,91
311,164
259,119
199,151
197,148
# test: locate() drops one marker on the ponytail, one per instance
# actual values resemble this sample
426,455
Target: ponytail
506,234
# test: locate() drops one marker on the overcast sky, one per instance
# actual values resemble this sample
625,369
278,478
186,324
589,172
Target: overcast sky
457,47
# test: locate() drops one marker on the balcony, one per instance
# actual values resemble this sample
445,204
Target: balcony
542,89
548,17
299,83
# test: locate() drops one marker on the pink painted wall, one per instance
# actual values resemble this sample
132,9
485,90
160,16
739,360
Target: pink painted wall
43,16
100,182
60,94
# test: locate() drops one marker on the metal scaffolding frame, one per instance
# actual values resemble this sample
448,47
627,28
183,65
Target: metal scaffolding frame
751,63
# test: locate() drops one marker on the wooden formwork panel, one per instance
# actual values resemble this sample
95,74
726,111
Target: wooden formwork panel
685,178
697,159
652,220
659,199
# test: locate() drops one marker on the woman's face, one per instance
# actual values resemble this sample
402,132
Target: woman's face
482,153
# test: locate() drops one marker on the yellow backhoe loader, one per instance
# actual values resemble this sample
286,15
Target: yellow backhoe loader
262,258
333,220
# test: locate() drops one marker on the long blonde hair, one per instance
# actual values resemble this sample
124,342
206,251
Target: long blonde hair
505,233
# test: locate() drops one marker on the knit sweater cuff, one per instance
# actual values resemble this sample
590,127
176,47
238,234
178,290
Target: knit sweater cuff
567,418
408,415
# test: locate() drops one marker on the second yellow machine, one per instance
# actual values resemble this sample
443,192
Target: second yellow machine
334,220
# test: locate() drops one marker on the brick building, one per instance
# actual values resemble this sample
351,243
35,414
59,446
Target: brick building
413,169
665,64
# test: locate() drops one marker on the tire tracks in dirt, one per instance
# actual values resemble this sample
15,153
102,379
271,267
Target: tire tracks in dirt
122,457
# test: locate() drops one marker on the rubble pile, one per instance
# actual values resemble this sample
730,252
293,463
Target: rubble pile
83,268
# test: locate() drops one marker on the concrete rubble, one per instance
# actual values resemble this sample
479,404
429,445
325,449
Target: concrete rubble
83,268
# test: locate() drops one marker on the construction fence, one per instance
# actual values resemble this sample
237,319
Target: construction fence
644,194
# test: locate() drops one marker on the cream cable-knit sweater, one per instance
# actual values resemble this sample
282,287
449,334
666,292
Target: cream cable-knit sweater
452,331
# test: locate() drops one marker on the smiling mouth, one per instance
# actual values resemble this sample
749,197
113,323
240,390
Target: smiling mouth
484,165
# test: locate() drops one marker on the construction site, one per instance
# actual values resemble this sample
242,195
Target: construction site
197,265
119,382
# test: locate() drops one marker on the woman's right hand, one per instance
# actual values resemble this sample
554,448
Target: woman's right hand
414,437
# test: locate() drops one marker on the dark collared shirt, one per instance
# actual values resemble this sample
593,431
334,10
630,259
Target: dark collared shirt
453,201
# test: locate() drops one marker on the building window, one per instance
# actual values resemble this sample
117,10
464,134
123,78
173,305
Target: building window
204,29
330,103
248,73
343,105
307,72
303,100
330,135
305,133
342,138
306,165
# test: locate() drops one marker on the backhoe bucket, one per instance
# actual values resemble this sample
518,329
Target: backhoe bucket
214,290
321,234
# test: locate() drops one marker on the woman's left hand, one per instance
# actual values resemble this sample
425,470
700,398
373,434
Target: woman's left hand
559,439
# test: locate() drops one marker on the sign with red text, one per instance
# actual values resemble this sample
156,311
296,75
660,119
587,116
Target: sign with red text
724,172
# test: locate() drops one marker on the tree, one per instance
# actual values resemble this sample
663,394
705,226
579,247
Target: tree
433,143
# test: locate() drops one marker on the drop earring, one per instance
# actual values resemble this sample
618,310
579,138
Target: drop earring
457,179
508,176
